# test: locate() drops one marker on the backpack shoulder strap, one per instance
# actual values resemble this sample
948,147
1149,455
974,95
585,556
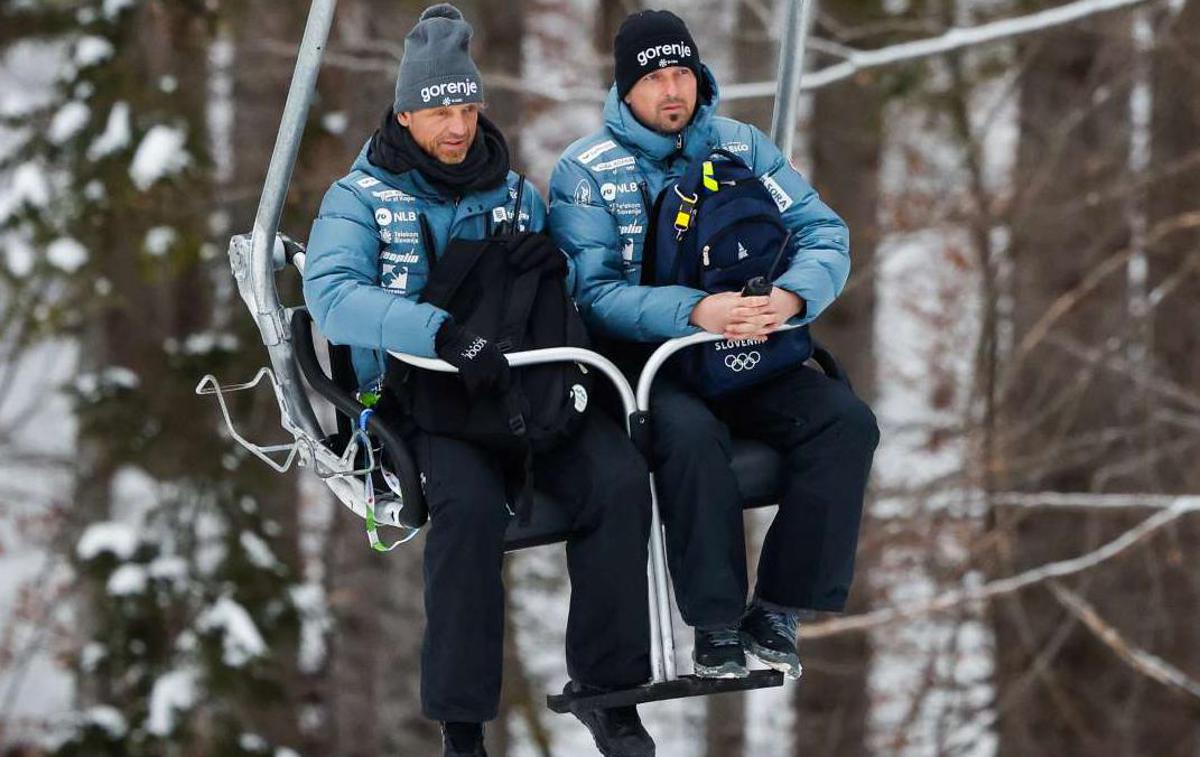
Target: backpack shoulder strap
459,257
517,310
649,276
427,240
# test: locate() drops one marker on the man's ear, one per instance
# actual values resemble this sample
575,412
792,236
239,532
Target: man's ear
404,118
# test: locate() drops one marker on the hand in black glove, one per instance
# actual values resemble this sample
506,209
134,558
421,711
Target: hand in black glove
536,250
480,363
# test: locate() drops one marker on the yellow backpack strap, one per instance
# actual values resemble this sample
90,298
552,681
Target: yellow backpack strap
710,182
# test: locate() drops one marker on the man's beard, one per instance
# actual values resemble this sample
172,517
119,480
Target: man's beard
451,158
673,122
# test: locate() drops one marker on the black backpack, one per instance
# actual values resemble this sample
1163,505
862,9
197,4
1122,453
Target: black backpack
517,311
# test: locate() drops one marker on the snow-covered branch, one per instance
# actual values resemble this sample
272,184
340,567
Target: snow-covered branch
1150,665
955,598
954,39
1082,500
855,60
1106,359
377,64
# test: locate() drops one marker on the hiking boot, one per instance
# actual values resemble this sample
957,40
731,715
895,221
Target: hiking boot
618,731
462,740
770,636
718,654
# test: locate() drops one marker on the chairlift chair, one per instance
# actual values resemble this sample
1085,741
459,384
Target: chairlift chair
346,464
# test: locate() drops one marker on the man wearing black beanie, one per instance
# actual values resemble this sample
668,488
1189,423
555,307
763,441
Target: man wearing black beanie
649,43
659,119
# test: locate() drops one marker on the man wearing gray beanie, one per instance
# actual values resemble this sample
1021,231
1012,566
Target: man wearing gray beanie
433,178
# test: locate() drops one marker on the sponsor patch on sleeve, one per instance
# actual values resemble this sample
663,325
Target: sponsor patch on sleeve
370,181
612,165
595,151
782,199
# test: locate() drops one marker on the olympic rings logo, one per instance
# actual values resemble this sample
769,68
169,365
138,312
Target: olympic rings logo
743,361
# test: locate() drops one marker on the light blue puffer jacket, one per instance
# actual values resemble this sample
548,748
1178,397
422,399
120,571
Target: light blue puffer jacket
367,263
601,194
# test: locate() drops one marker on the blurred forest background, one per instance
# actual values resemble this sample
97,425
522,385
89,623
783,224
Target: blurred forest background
1023,310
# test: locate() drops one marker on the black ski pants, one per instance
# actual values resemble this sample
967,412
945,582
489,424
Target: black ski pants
601,478
827,437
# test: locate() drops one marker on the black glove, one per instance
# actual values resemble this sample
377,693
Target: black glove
535,250
480,363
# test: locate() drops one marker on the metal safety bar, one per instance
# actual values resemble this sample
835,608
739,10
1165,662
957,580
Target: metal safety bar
649,372
662,632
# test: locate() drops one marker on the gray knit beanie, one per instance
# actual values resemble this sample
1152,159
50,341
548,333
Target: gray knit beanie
437,69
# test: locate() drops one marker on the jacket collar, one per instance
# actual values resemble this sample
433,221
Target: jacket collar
696,137
413,183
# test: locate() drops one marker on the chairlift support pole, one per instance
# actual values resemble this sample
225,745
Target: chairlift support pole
268,311
791,66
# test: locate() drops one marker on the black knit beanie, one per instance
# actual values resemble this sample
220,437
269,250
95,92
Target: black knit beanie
650,40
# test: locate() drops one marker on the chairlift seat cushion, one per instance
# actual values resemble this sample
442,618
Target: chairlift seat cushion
759,472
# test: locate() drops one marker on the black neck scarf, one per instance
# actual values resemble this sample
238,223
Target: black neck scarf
485,167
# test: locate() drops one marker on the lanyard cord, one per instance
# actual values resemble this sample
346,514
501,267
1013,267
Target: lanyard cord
360,436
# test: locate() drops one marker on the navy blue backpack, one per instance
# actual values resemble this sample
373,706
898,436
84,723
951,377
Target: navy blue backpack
717,229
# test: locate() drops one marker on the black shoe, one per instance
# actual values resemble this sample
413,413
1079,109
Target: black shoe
618,731
462,740
718,654
770,636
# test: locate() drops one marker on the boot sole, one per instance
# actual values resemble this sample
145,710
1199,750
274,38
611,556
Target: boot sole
784,662
724,670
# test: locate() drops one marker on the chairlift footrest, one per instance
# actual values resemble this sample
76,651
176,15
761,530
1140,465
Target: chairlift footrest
684,686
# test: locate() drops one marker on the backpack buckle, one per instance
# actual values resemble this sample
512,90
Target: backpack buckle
687,208
504,345
516,424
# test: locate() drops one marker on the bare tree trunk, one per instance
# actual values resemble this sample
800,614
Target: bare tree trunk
1174,269
831,702
497,50
609,15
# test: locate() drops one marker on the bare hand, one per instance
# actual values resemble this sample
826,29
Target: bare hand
715,312
759,316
